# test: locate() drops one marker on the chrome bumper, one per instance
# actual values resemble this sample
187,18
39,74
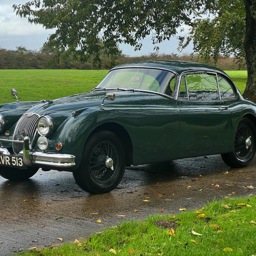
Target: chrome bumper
43,159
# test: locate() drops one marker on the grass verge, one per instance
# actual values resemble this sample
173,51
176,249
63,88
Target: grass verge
219,228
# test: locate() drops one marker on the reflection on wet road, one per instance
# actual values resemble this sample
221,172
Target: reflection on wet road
50,205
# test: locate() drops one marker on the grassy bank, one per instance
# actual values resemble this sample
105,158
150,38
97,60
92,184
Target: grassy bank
219,228
51,84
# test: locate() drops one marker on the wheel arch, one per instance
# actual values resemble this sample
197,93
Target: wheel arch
121,132
251,117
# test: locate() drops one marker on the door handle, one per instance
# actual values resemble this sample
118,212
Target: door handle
223,108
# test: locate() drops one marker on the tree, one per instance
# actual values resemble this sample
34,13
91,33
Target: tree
87,28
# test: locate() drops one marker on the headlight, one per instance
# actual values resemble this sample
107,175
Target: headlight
2,123
42,143
45,125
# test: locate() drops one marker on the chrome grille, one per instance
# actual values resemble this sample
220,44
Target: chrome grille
26,126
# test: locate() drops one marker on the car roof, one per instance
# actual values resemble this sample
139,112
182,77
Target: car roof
172,65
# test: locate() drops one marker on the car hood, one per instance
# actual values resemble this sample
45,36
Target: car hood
93,99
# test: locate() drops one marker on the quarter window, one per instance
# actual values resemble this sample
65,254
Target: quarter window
226,91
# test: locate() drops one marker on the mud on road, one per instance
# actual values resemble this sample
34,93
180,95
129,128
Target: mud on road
50,205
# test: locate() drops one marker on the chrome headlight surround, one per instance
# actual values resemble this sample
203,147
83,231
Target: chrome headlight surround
45,125
2,123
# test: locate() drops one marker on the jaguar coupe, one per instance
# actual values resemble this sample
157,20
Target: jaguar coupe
141,113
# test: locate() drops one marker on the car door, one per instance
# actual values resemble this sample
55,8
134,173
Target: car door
205,122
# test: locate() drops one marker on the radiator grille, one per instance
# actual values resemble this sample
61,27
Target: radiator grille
26,126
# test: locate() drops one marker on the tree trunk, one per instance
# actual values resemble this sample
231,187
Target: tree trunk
250,50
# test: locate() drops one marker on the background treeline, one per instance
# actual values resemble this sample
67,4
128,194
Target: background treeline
27,59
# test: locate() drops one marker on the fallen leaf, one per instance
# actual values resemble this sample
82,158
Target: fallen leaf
25,201
250,187
240,171
217,186
198,212
183,209
248,205
131,251
60,239
172,232
167,199
162,210
79,244
99,221
193,241
219,231
188,187
160,195
121,215
146,201
195,233
226,172
227,249
225,206
135,210
233,193
202,215
201,190
112,251
253,222
76,241
241,204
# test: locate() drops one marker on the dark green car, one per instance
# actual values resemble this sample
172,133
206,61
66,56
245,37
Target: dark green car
140,113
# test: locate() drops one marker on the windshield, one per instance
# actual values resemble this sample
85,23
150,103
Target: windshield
137,78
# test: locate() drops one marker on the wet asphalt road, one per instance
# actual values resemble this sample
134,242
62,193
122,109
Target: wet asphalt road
50,205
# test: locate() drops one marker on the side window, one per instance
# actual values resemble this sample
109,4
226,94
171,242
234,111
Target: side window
226,91
199,87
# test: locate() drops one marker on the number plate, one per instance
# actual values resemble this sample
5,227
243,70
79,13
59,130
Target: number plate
12,161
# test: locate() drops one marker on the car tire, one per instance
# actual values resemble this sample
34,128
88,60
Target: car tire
17,174
245,145
103,163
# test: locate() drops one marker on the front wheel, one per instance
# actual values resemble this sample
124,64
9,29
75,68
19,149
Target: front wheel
103,163
245,145
17,174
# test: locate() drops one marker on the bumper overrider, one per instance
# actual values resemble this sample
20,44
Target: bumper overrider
40,158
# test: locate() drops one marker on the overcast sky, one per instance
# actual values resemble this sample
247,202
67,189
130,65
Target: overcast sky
16,31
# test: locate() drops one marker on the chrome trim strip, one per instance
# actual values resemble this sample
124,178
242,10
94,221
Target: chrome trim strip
16,141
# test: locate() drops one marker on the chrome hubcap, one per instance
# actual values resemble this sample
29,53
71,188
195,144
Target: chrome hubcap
109,163
248,142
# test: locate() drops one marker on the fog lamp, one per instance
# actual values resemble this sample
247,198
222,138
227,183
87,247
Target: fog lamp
42,143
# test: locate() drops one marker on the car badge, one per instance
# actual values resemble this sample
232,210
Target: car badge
30,114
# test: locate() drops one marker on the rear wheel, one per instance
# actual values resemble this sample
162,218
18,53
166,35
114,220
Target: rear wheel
103,163
245,145
17,174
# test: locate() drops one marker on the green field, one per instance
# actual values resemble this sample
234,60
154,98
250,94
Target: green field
47,84
51,84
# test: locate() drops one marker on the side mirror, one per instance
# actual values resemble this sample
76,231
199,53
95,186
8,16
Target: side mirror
108,96
14,93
